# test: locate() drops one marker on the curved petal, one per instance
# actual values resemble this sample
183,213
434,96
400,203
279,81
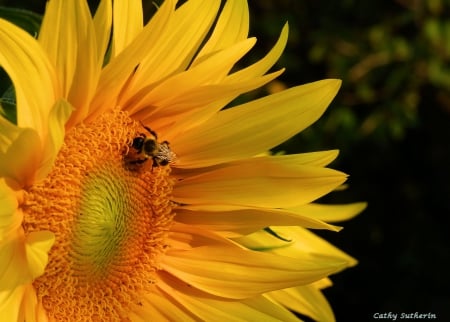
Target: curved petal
255,184
231,27
264,64
210,71
32,75
121,67
8,134
237,273
254,127
20,162
307,300
28,157
315,159
211,308
246,221
9,218
199,104
330,213
23,258
68,36
37,246
156,306
297,241
13,266
128,23
20,304
10,303
178,43
102,25
57,119
202,103
186,237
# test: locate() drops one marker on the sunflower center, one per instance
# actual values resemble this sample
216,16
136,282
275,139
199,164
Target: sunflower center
110,221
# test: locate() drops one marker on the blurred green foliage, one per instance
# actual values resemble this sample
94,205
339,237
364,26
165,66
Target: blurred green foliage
386,53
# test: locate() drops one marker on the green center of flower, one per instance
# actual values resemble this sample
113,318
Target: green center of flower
110,221
103,223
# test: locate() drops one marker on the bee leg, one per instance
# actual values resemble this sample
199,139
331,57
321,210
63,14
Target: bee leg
154,164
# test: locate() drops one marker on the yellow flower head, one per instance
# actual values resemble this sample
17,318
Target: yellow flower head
128,192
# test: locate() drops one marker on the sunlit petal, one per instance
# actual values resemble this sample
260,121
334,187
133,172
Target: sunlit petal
259,273
128,22
231,27
212,308
29,74
9,218
121,67
102,26
247,220
330,213
173,51
254,127
307,300
255,184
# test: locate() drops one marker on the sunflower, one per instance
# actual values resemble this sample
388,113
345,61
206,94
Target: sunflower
128,192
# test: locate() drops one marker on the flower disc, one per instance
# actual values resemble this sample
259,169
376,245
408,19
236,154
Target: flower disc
110,222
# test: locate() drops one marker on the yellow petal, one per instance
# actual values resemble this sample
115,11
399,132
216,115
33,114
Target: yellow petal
210,71
69,38
128,22
210,308
20,162
264,64
203,102
180,40
20,304
194,107
26,158
300,240
292,161
10,303
13,266
237,273
254,127
23,259
32,310
57,119
37,246
8,134
186,237
157,306
330,213
119,69
307,300
9,218
246,221
32,75
231,27
102,26
254,184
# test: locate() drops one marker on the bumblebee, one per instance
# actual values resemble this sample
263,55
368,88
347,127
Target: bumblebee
145,147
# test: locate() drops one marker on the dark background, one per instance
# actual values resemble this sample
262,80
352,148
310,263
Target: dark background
391,121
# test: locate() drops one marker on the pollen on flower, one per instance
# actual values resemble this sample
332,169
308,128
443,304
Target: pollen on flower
110,223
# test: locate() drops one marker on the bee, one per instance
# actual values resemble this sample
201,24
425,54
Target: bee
145,147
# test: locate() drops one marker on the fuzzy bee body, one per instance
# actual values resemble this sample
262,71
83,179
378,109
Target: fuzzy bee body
145,147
